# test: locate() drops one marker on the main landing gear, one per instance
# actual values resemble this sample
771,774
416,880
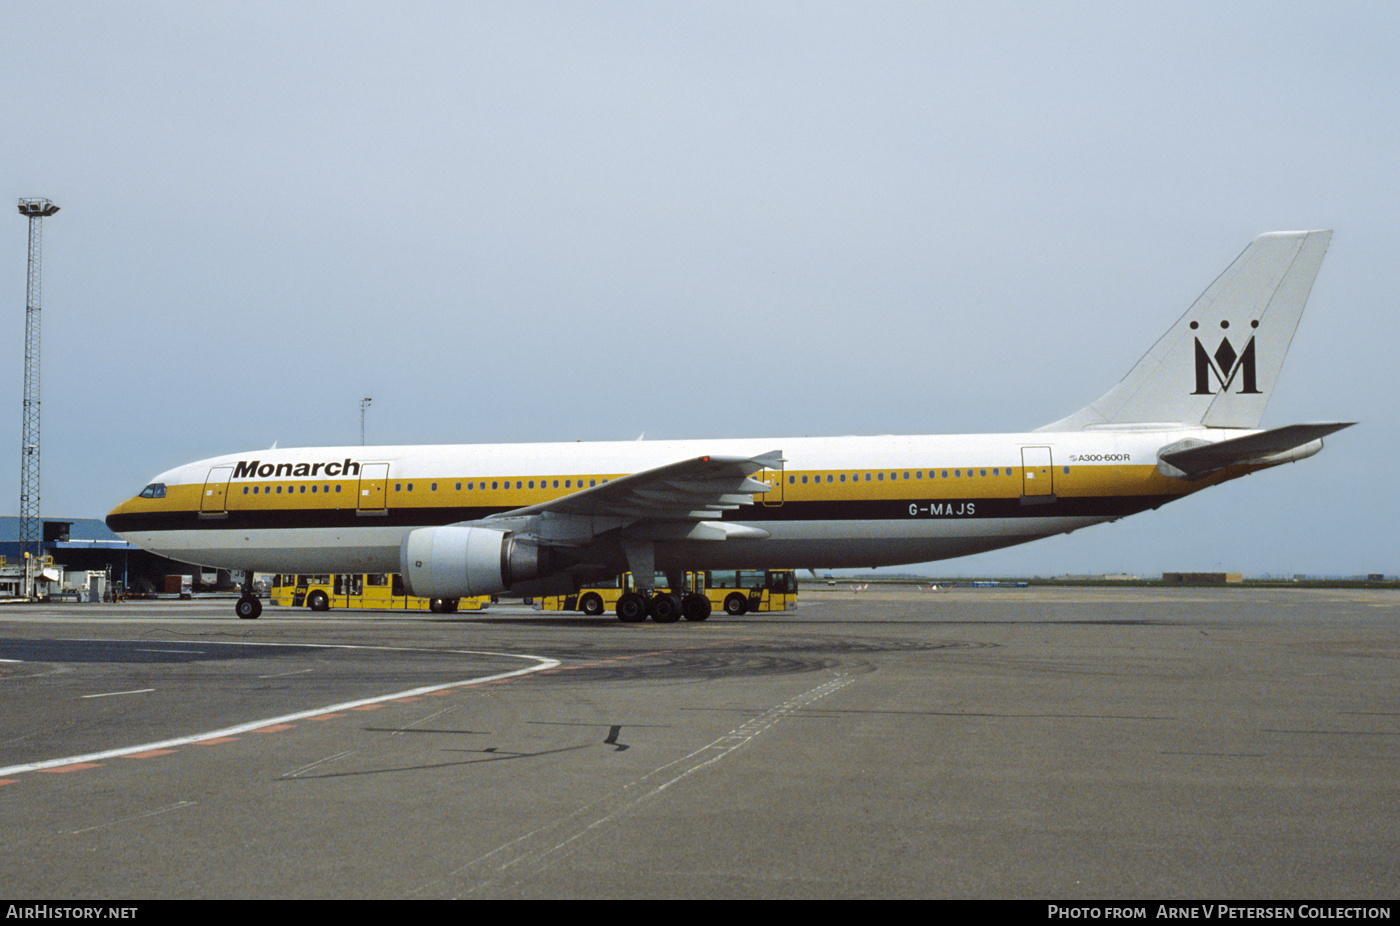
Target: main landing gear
248,607
663,608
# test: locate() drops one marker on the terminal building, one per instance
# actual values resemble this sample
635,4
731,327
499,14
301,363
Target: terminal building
75,552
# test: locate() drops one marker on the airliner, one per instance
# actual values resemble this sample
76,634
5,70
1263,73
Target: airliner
534,519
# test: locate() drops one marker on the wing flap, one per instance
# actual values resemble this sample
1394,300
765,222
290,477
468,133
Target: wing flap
698,489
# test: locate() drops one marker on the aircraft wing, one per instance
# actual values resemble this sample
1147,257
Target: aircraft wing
1193,459
694,490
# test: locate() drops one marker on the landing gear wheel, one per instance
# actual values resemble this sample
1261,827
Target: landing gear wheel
248,609
316,601
591,604
632,608
664,609
735,605
695,607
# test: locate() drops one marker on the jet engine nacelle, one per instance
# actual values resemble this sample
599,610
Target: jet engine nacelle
462,561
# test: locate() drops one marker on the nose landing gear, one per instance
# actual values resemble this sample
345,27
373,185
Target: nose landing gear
248,607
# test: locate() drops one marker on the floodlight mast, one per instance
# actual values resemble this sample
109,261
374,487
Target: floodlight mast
36,210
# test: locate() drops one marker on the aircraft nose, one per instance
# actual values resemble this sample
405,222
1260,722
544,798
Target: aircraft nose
115,518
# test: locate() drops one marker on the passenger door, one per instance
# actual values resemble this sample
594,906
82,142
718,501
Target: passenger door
215,498
374,479
1037,474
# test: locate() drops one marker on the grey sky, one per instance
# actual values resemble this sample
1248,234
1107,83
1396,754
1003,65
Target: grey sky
541,221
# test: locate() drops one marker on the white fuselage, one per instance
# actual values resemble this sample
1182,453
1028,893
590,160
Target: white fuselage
837,502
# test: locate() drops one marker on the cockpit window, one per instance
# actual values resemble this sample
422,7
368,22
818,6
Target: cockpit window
154,490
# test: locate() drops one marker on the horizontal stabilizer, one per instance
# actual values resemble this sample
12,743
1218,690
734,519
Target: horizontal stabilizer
1195,459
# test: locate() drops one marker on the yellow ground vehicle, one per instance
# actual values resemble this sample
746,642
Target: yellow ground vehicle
362,590
736,592
741,591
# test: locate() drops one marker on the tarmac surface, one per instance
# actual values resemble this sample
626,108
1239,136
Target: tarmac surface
995,743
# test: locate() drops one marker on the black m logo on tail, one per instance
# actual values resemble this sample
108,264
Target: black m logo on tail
1224,366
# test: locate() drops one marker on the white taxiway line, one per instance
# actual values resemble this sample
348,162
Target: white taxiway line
542,664
536,851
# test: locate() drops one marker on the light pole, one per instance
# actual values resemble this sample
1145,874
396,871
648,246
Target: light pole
36,210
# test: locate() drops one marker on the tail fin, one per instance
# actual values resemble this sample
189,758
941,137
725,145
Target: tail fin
1217,365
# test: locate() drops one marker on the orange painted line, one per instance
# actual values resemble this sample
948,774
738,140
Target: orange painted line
277,728
218,739
151,754
367,707
77,767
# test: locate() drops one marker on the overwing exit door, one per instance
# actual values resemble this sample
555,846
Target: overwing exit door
774,477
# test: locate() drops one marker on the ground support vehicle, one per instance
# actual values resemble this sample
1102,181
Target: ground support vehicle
736,592
381,591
